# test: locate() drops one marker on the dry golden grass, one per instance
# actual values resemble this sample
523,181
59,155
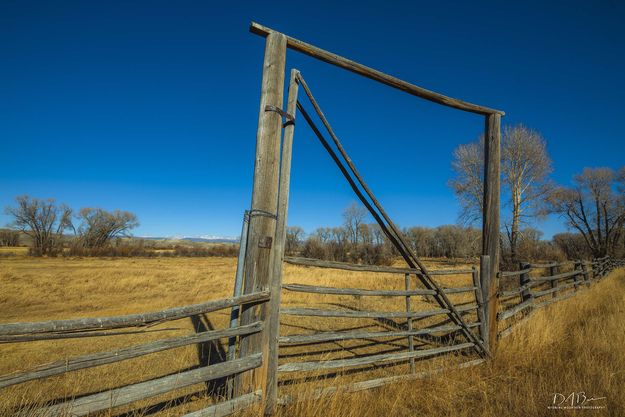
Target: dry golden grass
531,365
572,346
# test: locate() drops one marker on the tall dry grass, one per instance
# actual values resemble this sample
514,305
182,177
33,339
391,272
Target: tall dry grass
577,345
572,346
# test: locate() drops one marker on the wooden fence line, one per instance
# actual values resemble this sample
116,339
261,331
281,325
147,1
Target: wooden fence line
561,285
372,383
130,320
369,360
103,358
369,268
136,392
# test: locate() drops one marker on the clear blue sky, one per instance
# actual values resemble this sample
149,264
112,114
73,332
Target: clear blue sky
151,106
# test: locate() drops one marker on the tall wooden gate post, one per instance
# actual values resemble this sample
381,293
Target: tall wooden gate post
490,223
258,261
273,320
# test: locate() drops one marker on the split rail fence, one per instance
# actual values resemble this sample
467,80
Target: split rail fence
109,326
264,360
535,286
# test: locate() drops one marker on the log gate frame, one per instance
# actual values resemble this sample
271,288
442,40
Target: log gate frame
263,253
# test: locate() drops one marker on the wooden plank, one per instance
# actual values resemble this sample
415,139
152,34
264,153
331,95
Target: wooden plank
525,282
538,294
57,336
372,383
514,310
517,291
553,271
491,216
480,303
229,407
273,330
131,393
130,320
485,286
102,358
354,291
319,263
555,277
238,284
553,300
458,290
335,336
314,312
547,265
373,74
369,360
259,261
505,274
409,323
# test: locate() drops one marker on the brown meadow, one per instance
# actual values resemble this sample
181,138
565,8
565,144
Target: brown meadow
575,345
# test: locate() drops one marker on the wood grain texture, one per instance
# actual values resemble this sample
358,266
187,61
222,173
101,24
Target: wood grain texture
355,291
368,360
229,407
259,261
131,393
491,213
273,325
130,320
102,358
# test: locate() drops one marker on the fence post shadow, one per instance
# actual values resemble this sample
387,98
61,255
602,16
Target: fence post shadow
210,353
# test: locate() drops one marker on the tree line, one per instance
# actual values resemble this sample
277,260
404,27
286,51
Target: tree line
46,223
593,208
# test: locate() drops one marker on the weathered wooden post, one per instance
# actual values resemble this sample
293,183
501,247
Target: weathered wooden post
483,329
484,289
577,267
258,262
524,283
409,322
490,223
586,274
273,322
553,270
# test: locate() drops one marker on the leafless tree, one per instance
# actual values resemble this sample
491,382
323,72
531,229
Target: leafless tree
97,226
294,236
353,218
595,207
9,237
525,168
468,184
42,220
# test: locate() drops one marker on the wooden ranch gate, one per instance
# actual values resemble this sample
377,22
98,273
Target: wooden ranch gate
263,254
443,312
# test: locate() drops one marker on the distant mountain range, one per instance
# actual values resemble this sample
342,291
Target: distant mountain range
203,239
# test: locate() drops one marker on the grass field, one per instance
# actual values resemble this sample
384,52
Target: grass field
556,351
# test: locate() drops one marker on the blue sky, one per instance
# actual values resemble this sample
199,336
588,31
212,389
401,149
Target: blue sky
151,106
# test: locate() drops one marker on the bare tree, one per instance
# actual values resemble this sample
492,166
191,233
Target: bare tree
353,219
99,226
525,167
468,184
595,207
42,220
294,236
9,237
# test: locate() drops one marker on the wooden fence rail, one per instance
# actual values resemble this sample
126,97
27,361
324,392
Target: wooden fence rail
541,291
19,332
